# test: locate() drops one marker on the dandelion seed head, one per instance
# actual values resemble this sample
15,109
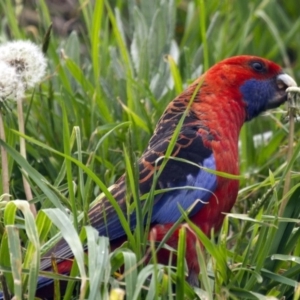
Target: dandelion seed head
27,59
10,85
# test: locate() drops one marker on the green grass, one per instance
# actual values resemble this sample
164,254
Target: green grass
93,115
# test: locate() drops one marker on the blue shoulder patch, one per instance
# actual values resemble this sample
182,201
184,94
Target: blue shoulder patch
196,189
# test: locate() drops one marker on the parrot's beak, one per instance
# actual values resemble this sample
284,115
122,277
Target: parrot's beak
283,81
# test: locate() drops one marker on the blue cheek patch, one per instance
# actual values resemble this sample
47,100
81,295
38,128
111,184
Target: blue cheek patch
257,93
166,210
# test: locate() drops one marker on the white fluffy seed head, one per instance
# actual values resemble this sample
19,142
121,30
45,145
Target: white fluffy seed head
10,85
26,58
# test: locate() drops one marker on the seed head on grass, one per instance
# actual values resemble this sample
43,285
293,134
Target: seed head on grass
25,66
27,59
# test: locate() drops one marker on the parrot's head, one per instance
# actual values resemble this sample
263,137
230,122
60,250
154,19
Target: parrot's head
259,84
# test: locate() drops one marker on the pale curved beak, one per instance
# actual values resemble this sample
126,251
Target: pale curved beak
283,81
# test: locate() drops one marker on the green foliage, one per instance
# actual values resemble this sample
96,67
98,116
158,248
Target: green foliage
94,113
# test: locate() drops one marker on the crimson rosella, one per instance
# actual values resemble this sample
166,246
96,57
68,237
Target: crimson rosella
231,92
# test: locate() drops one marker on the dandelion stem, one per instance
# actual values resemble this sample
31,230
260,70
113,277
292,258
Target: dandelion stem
287,182
26,185
4,162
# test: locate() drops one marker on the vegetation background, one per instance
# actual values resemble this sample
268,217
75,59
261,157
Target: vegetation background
113,68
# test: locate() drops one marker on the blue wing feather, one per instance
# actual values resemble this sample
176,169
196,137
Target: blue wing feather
199,188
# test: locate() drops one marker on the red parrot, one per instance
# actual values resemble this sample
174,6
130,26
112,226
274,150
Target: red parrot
231,92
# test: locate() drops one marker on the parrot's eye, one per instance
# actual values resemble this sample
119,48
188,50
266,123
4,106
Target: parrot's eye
258,66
